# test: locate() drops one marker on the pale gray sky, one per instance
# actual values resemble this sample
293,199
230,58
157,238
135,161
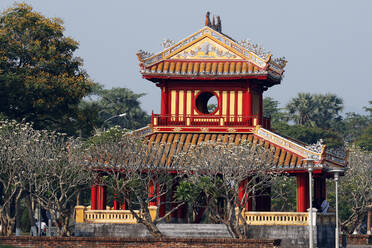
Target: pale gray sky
327,43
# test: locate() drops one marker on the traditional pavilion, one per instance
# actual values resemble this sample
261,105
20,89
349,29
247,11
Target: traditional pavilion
209,65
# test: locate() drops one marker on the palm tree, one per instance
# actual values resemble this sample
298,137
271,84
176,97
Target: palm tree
301,108
327,109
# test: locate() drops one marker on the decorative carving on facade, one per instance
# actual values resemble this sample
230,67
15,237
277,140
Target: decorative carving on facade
206,50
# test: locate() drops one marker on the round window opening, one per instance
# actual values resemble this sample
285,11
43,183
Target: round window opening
206,103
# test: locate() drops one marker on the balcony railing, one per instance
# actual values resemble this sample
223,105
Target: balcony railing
85,215
209,121
276,218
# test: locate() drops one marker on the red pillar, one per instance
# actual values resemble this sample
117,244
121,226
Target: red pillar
260,108
102,197
249,101
151,193
163,108
247,203
116,205
302,192
93,197
162,200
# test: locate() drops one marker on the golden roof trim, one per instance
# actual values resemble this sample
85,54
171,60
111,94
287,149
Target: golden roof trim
217,37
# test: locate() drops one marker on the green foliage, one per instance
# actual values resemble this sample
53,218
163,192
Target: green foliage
40,80
271,109
283,194
103,108
315,110
369,109
119,101
352,127
309,135
365,140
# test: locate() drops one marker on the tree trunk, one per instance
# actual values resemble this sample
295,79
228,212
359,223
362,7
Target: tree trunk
30,212
18,216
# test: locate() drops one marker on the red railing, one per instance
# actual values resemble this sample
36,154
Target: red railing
209,121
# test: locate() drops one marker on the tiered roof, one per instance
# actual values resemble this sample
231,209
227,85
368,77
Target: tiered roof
209,54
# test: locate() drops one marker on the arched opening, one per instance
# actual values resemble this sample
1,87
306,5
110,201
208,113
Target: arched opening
206,103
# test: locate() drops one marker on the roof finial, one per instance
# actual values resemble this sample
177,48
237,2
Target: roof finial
219,25
207,19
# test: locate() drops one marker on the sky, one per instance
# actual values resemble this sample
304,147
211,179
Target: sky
327,43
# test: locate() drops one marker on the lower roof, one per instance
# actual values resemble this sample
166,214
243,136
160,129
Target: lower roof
289,155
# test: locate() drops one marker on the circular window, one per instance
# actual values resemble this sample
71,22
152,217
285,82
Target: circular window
206,103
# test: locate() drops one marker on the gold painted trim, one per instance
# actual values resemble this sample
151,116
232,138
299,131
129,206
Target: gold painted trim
201,34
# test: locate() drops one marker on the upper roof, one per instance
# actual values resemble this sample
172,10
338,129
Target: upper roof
210,54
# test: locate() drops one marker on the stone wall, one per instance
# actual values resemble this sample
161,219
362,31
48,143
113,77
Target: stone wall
295,236
108,242
290,236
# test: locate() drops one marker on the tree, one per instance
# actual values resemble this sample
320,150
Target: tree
365,140
352,126
369,109
355,189
43,164
12,137
315,110
220,173
271,109
310,135
118,101
54,175
130,169
327,109
301,108
40,80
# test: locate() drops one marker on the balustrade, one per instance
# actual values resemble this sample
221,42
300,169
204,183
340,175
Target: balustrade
209,120
276,218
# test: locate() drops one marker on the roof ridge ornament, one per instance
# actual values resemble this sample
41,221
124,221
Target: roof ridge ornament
216,25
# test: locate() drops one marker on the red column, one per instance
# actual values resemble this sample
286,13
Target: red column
249,101
164,97
102,197
302,192
116,205
151,193
247,203
162,200
93,197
